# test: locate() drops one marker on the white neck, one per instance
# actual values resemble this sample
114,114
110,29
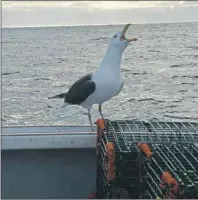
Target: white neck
111,60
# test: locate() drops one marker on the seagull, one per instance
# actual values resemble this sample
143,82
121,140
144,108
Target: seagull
103,84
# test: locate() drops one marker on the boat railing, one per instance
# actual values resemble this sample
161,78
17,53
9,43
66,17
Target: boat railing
48,137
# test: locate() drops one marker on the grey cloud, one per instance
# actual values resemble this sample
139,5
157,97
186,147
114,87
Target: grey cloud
79,13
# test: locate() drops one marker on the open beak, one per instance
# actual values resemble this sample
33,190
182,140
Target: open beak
122,37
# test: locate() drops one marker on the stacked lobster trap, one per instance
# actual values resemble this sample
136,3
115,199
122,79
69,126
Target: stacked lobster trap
147,160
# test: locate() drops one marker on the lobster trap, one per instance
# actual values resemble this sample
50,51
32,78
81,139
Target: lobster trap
146,159
171,173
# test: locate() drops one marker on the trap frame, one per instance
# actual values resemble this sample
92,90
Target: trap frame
125,169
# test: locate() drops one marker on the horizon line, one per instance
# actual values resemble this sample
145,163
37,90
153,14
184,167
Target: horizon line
111,24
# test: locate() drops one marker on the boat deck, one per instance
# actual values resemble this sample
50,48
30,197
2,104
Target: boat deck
53,162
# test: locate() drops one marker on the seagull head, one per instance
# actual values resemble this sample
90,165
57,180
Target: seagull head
119,40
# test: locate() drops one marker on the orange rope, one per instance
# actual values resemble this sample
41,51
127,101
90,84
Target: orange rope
100,123
168,179
110,167
145,149
172,183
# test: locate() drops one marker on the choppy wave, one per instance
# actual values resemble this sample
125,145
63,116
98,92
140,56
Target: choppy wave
181,117
9,73
186,76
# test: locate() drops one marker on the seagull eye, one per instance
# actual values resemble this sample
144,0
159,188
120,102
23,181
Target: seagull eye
115,36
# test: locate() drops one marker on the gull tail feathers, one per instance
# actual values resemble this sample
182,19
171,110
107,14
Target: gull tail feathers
58,96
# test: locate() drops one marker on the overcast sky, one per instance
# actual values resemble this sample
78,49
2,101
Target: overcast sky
49,13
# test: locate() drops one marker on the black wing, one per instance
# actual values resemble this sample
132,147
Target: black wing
80,90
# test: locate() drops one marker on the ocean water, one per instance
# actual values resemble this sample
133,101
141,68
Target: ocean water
160,72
